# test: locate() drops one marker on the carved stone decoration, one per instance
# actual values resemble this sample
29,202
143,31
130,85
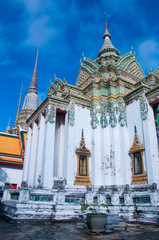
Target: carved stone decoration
93,111
143,106
94,121
112,119
51,115
136,151
103,119
122,116
83,154
72,114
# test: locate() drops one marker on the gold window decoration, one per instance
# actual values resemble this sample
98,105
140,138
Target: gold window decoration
83,154
136,151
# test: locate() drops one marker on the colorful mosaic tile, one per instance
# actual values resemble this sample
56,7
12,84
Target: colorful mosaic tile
41,198
143,106
51,115
72,114
141,200
72,199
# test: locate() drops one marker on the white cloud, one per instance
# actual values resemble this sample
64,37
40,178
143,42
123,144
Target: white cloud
32,6
149,53
42,96
7,61
39,31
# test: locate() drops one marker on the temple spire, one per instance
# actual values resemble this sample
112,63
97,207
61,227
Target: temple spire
18,111
33,84
106,34
8,127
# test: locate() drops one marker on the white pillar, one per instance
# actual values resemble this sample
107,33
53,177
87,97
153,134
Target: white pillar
97,156
27,155
39,157
71,164
48,159
33,156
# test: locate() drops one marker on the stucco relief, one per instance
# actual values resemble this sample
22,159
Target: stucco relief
108,163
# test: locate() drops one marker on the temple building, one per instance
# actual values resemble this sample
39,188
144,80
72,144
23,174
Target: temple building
111,97
95,141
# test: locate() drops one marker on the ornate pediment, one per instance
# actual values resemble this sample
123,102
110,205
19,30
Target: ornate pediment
129,64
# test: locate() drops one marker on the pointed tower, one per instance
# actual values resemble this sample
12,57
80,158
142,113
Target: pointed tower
108,52
14,129
8,128
31,102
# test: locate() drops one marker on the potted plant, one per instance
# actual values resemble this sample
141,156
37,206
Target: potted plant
96,220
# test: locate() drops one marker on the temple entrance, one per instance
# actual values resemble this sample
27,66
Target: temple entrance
59,143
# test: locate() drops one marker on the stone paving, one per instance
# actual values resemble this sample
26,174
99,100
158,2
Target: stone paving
69,231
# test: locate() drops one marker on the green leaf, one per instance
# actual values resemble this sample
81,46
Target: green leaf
104,205
84,207
90,209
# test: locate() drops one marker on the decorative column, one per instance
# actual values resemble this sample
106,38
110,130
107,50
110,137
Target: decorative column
157,123
39,158
49,143
33,153
27,154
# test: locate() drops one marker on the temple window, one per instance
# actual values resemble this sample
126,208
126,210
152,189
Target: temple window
82,165
137,163
82,175
136,151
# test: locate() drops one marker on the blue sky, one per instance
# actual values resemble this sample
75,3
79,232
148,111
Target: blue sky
62,30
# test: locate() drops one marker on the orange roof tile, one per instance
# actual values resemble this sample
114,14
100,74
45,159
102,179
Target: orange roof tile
24,137
10,144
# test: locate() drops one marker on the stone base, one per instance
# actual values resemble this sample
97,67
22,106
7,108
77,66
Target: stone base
140,203
83,180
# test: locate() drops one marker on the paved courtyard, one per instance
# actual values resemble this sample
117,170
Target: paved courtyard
69,231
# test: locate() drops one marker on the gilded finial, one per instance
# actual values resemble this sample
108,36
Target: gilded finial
131,51
134,53
82,132
135,129
50,81
150,71
37,57
106,34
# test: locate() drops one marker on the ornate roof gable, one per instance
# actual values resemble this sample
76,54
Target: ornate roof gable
129,63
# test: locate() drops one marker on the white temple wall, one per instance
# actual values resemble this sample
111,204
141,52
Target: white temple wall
151,147
126,164
82,121
134,119
96,174
10,175
146,132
